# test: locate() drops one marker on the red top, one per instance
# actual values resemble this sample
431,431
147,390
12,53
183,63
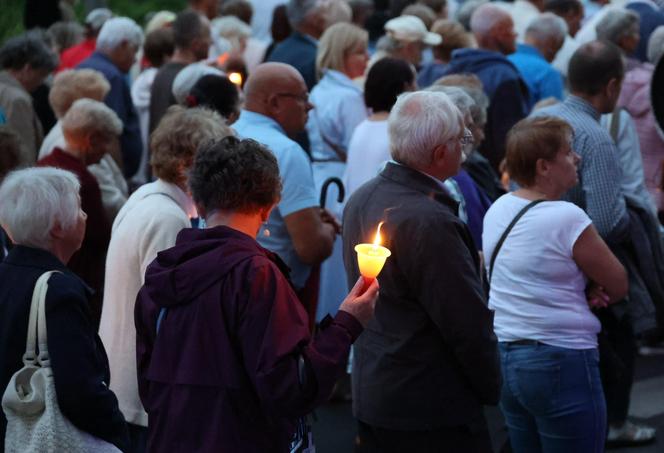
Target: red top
71,57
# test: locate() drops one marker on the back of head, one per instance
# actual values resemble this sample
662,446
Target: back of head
473,86
562,7
486,18
593,65
419,122
458,96
232,29
27,49
96,19
241,9
159,45
34,200
466,11
439,7
423,12
386,80
160,19
616,24
336,43
87,116
545,27
454,37
187,28
73,84
180,132
117,30
531,139
299,11
235,175
66,34
188,77
656,45
215,92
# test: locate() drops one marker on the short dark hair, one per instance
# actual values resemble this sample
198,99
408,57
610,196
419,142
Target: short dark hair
215,92
27,49
386,80
158,45
187,27
237,175
562,7
593,65
531,139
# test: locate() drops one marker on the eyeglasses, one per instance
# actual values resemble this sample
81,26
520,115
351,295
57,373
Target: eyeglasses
304,98
467,138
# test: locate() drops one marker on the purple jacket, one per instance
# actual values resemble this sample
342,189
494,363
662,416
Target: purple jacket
233,366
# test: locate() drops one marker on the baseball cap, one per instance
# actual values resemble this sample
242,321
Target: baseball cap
411,29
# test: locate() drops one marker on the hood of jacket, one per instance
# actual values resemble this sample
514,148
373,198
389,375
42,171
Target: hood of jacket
479,60
199,259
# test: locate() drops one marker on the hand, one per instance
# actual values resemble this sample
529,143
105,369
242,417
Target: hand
327,217
361,304
596,296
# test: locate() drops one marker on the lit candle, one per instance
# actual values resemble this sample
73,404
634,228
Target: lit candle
236,78
371,258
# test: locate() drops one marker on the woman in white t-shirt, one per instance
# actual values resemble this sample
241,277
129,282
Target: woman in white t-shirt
551,271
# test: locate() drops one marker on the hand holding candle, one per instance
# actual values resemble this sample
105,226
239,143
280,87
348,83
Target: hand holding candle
371,258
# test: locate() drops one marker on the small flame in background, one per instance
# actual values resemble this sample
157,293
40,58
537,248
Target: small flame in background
236,78
377,238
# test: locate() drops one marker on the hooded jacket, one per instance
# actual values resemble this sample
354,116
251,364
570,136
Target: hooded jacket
232,367
507,92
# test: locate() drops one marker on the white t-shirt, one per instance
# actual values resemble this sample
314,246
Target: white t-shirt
537,290
368,151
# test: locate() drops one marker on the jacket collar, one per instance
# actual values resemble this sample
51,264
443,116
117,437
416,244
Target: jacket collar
8,79
416,180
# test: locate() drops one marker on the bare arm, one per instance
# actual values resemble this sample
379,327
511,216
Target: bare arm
312,234
593,256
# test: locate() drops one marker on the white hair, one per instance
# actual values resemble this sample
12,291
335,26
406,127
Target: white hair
187,78
420,121
232,29
656,45
486,17
617,23
458,96
546,26
86,116
34,200
117,30
299,11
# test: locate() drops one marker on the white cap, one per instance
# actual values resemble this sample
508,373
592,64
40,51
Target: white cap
187,78
411,29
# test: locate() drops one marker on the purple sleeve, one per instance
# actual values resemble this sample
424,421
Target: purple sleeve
291,372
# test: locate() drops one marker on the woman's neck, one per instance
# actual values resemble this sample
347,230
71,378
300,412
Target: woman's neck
536,192
379,116
248,224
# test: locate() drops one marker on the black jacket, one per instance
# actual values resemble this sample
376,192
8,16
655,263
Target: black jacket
77,355
429,357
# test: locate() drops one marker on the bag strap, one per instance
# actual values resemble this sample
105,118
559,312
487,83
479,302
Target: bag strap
507,231
36,336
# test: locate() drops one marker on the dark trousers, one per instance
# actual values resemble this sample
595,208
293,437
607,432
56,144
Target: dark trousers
617,347
470,438
138,438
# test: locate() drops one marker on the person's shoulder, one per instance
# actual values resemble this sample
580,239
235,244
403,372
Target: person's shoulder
66,287
565,211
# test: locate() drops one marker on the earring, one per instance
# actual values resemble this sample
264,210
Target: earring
266,231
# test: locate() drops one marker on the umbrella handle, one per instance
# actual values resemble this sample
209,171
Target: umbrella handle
323,191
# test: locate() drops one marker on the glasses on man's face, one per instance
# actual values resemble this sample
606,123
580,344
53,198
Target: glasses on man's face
467,138
304,98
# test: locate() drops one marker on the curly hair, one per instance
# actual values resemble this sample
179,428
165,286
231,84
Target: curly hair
237,175
179,134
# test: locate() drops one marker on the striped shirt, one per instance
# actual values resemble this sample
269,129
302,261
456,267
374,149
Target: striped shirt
598,192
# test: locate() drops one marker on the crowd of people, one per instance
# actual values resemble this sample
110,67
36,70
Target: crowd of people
199,183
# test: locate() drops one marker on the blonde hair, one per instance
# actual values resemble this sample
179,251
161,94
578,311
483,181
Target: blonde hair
86,116
73,84
335,44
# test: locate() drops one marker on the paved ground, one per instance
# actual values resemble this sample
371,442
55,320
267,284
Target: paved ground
334,429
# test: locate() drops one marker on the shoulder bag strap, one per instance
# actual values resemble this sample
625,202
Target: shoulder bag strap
507,231
37,317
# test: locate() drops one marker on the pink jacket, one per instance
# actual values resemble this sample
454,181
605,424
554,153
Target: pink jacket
635,98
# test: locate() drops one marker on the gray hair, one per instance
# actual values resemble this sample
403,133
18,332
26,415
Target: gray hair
616,24
34,200
466,10
656,45
420,121
117,30
486,17
86,116
480,104
458,96
547,26
299,10
232,29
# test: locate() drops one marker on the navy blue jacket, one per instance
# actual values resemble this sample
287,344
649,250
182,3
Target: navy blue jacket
651,18
77,355
507,92
119,100
299,51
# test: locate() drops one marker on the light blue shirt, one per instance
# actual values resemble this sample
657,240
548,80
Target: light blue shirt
298,187
542,78
338,109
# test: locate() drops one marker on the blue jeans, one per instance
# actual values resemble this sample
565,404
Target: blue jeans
552,399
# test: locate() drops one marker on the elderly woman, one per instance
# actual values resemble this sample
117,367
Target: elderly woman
147,224
69,86
219,326
41,212
25,61
369,146
548,269
621,27
90,130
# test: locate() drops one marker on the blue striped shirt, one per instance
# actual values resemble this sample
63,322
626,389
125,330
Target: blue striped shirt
598,192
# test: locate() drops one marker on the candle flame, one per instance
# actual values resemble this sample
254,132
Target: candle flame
235,77
377,238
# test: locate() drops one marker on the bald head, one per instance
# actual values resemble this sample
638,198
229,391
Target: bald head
493,28
277,90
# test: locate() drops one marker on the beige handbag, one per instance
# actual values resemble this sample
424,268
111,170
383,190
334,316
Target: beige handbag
34,421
